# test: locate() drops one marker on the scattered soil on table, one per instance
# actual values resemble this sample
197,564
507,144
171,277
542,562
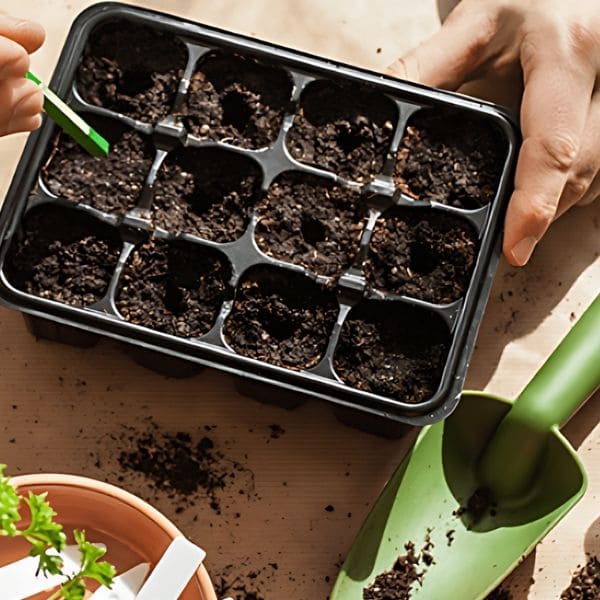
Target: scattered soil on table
585,584
450,157
132,69
173,287
64,255
311,222
237,100
345,129
282,318
184,466
111,184
422,253
207,192
397,583
393,350
239,584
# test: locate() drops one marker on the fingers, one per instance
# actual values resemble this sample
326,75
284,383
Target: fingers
27,34
14,60
558,91
447,58
23,100
592,194
587,164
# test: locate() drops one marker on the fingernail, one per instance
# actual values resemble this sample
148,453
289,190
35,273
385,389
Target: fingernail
521,251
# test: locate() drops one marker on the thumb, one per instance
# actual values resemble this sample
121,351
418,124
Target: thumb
449,56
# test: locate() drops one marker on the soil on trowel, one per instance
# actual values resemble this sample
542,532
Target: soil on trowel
408,570
282,318
499,594
393,350
585,584
311,222
64,255
207,192
111,184
344,129
236,100
132,69
451,158
173,287
422,253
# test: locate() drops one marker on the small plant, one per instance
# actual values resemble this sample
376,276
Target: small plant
47,539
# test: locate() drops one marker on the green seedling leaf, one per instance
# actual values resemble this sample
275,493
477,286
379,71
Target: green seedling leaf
102,572
9,506
74,589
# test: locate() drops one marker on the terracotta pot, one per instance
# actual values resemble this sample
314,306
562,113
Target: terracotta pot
132,530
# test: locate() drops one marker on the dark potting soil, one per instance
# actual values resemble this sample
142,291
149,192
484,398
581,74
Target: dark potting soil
585,584
173,287
480,503
397,583
281,318
111,184
236,100
392,350
64,255
239,583
182,465
451,158
132,69
422,253
345,129
207,192
311,222
499,594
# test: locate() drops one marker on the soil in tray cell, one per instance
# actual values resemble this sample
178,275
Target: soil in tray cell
207,192
451,158
63,255
174,287
132,69
344,129
236,100
282,318
311,222
422,253
111,184
393,350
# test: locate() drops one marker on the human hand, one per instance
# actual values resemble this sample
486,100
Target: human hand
545,55
21,100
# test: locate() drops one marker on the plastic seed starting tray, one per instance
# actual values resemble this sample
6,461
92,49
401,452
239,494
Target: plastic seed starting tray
286,218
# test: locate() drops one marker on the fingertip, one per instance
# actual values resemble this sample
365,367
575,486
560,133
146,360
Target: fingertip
31,35
518,255
14,60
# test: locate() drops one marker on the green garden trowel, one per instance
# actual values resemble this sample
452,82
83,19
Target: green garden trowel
511,454
70,122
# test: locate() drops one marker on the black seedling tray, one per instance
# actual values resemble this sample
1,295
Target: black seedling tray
135,273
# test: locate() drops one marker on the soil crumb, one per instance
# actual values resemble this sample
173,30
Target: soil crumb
499,594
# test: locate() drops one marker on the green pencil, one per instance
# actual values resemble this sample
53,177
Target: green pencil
70,122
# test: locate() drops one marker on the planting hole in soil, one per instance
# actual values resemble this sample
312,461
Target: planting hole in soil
422,253
207,192
392,349
281,317
132,69
311,222
236,100
345,129
64,255
111,184
174,287
451,157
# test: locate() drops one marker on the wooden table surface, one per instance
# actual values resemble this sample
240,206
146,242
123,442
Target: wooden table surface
60,405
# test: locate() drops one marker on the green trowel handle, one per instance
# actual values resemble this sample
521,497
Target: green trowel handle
559,388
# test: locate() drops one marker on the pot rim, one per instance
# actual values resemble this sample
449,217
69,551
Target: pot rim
119,495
